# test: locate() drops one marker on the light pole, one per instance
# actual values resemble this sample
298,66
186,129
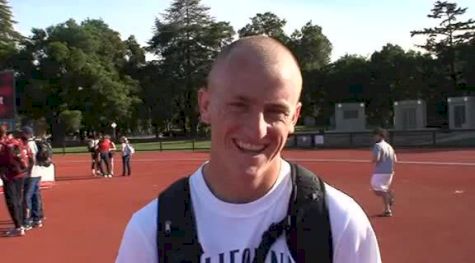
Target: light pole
113,125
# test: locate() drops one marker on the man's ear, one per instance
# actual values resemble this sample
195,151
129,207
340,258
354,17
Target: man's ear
203,103
295,117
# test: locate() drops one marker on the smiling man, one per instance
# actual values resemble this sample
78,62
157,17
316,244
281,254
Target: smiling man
243,204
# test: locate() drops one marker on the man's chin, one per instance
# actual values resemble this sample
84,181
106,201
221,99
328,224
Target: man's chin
256,168
252,171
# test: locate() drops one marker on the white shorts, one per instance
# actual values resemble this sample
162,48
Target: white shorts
381,182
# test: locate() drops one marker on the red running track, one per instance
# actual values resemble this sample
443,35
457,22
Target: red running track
86,216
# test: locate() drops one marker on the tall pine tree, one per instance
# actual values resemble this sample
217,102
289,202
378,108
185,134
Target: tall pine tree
186,40
444,39
8,36
268,24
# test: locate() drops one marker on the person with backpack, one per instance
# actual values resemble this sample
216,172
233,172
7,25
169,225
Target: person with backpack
127,152
92,147
44,156
15,164
246,203
42,153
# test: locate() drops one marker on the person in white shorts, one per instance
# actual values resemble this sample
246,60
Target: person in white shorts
251,103
384,159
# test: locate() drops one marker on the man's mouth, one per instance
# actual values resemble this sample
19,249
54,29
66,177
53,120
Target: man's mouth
249,147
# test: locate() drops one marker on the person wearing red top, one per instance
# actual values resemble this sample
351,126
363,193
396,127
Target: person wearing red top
104,148
13,180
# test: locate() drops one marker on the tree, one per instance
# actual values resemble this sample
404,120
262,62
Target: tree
70,121
73,66
312,50
158,94
267,24
344,80
186,40
133,66
134,56
395,75
311,47
8,36
466,57
347,79
443,40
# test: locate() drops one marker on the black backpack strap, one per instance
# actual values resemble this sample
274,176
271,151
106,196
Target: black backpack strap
310,236
269,237
177,238
307,224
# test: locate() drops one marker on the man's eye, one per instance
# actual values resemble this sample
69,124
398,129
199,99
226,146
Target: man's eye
277,115
237,106
278,112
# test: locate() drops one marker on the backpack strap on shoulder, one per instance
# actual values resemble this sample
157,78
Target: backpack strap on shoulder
310,236
307,224
177,238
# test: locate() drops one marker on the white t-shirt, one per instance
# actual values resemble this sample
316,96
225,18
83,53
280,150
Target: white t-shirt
127,149
231,231
385,156
33,147
34,151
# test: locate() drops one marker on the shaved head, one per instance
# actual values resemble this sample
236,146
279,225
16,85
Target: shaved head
251,104
256,54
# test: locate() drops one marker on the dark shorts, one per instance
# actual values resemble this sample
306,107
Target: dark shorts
94,155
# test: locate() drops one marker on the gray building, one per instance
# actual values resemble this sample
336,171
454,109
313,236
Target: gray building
410,115
350,117
461,112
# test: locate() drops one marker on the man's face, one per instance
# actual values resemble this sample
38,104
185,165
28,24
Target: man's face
251,110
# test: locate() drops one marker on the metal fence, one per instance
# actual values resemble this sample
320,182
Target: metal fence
328,139
416,138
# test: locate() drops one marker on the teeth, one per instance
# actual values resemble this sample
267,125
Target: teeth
250,146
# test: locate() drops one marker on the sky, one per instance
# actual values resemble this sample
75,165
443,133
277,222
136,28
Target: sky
352,26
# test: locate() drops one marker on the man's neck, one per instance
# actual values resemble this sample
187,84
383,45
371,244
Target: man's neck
239,189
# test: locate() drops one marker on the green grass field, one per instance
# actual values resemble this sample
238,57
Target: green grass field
147,146
164,145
